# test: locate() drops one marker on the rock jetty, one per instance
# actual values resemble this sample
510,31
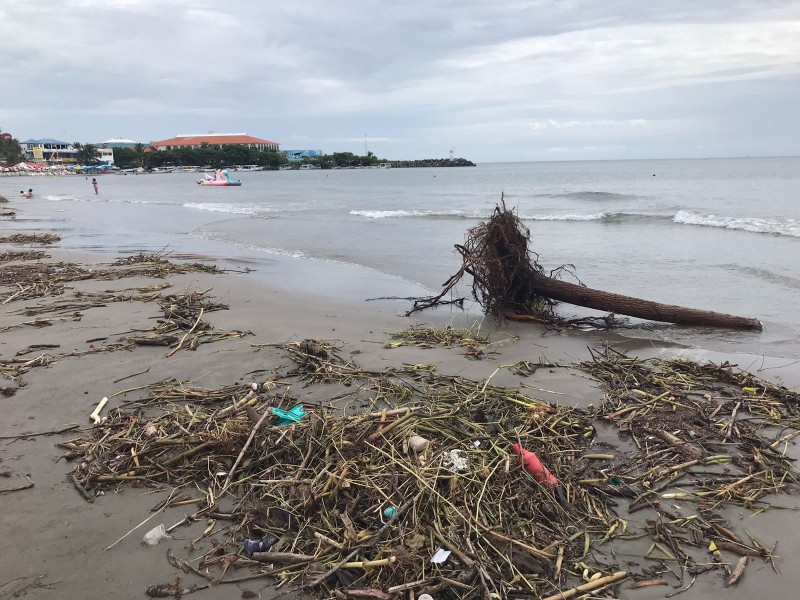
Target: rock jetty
432,162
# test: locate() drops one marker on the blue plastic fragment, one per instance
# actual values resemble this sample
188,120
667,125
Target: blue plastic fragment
288,417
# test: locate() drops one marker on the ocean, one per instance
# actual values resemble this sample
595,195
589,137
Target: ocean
716,234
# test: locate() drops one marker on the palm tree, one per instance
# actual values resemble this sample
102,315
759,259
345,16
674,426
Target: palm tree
139,150
86,154
90,153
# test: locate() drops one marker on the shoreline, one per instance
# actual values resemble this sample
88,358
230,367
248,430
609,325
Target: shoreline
66,390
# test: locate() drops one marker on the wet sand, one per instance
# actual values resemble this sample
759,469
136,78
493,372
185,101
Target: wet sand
55,542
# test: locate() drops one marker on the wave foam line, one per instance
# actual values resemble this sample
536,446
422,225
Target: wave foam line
568,217
398,214
455,214
787,227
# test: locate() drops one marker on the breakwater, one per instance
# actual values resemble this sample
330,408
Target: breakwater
432,162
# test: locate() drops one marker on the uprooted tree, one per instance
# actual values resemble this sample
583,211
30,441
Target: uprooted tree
508,281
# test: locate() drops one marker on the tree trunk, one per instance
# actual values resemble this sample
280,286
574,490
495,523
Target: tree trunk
636,307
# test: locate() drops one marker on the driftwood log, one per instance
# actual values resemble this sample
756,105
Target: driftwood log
507,281
579,295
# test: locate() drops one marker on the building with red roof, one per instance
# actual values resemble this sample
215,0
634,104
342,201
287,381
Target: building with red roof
215,139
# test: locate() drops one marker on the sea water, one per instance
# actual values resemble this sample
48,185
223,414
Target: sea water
716,234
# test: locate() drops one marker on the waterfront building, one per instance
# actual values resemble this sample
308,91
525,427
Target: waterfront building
49,151
215,139
118,142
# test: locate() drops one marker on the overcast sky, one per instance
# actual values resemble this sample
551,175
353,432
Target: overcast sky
498,80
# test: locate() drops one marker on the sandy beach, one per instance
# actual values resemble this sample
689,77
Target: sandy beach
58,545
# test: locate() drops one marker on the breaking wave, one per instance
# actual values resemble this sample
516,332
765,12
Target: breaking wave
397,214
251,210
456,214
788,227
568,217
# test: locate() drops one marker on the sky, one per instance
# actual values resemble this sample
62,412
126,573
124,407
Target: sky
494,80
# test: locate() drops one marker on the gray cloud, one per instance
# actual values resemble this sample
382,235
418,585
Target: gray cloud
509,80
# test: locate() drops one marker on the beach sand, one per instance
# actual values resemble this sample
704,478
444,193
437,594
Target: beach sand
55,543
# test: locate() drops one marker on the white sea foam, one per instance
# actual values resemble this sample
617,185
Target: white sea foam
60,198
223,207
221,237
568,217
389,214
788,227
460,214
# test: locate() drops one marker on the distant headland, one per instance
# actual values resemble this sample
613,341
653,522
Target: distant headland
432,162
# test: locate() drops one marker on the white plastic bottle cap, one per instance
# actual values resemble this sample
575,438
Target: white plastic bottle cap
425,597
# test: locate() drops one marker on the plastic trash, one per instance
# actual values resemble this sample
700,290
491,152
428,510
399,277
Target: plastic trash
289,417
455,461
156,535
262,545
533,465
389,512
424,597
440,556
418,443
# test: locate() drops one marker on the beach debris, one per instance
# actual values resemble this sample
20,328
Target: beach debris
508,281
172,590
533,465
455,461
322,487
427,336
30,238
95,416
417,443
440,556
12,255
737,572
288,417
262,545
156,535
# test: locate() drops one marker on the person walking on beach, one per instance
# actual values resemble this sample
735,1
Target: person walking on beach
95,186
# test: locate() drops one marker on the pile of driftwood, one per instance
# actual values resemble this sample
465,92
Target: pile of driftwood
508,281
428,490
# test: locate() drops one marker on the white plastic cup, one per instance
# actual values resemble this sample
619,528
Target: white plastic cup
156,535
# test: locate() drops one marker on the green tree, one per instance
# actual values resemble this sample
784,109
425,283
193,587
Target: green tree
138,149
124,157
11,152
86,153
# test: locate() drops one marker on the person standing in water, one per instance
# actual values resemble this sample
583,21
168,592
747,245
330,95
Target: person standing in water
95,186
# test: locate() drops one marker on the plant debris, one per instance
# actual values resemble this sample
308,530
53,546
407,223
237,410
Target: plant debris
30,238
360,503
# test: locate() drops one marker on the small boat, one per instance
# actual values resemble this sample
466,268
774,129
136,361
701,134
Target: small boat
220,179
